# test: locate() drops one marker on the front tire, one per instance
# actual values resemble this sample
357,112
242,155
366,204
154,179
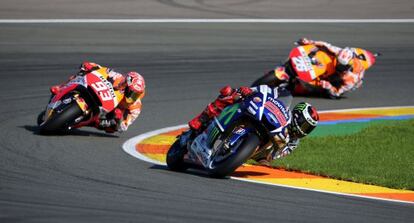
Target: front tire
175,157
60,121
244,151
40,118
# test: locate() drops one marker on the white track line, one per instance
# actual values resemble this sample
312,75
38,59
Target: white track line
129,147
24,21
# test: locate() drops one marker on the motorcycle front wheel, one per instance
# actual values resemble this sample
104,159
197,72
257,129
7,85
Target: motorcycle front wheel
222,167
60,121
175,157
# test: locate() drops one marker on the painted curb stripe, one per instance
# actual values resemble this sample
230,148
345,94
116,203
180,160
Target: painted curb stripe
152,146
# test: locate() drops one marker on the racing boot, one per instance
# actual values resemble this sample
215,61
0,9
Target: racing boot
199,123
87,67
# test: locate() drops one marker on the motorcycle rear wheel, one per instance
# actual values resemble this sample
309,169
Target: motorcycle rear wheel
58,122
227,166
267,79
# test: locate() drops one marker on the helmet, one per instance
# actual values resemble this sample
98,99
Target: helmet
135,86
304,119
345,56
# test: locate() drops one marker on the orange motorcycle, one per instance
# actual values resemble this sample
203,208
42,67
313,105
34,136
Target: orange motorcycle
307,65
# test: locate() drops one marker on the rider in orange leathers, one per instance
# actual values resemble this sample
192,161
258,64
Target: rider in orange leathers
348,75
348,68
131,84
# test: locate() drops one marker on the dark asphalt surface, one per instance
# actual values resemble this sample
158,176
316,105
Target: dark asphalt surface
87,177
212,9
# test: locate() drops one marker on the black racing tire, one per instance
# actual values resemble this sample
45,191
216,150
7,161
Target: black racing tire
267,79
230,164
59,122
40,118
175,157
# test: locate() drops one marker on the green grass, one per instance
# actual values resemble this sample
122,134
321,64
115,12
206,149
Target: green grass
381,154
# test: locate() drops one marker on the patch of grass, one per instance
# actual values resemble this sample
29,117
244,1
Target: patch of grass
381,154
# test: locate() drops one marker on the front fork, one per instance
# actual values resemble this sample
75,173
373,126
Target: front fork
82,104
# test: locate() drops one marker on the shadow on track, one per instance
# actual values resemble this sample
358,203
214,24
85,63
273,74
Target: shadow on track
74,132
191,171
247,174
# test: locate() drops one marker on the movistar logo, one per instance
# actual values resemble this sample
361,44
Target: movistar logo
279,105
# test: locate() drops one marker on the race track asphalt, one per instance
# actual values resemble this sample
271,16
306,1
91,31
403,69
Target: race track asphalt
87,177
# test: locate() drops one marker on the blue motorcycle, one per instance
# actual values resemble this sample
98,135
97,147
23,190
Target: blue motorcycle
240,132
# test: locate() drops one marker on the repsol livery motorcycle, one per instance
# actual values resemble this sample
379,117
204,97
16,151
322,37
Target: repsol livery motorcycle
307,65
79,103
238,133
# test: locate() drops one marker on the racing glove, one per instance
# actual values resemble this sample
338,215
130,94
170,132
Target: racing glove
108,125
282,153
288,149
122,127
245,91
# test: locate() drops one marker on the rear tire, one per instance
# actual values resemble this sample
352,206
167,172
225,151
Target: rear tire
267,79
60,121
175,157
243,153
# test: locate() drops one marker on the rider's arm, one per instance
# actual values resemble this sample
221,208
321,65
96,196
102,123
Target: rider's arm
333,49
351,81
132,113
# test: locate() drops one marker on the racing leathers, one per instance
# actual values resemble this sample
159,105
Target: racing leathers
350,71
347,75
228,96
127,110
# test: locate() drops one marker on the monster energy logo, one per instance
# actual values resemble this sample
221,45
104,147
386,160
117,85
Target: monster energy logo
300,106
224,118
228,113
213,134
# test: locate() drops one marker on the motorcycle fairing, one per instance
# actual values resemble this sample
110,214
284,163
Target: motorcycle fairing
366,57
200,150
103,89
237,134
309,62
